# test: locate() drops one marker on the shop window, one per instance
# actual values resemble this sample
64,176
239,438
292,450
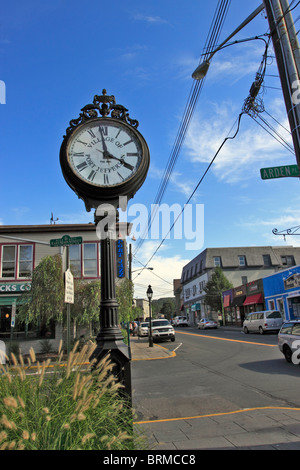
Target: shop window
17,261
271,304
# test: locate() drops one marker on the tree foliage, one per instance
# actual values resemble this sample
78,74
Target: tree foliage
214,288
45,301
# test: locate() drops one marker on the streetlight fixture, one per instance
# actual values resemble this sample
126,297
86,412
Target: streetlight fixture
202,69
149,295
140,269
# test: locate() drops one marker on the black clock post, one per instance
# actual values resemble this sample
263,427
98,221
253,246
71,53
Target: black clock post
105,159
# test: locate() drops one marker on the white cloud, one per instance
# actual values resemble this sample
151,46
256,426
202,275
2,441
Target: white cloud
166,267
239,158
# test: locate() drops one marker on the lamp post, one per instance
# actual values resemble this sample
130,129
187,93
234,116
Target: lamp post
149,295
202,69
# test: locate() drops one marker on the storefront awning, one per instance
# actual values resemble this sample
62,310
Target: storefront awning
254,299
238,301
226,300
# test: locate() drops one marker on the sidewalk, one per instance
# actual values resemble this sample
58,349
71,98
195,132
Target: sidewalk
265,428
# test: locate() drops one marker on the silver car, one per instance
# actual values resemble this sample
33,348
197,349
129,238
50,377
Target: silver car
162,330
207,323
261,322
143,329
289,341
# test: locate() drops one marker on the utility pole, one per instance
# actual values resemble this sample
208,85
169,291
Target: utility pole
287,52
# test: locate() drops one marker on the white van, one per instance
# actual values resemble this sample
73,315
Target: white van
260,322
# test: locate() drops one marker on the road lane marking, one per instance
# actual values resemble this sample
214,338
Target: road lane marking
227,339
244,410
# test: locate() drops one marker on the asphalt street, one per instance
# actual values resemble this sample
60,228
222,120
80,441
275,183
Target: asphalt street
216,389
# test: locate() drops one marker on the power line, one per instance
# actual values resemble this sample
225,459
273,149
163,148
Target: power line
214,32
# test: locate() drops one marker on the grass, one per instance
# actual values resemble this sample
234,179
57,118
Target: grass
63,407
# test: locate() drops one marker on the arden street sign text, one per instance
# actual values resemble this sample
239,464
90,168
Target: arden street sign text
279,172
65,241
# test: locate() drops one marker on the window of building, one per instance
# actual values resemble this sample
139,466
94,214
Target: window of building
17,261
267,260
84,259
242,260
244,279
90,260
75,259
25,261
217,261
194,290
288,260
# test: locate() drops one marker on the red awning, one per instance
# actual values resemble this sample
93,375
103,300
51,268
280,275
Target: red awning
254,299
226,300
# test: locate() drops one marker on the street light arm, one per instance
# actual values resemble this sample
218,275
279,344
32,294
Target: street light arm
202,69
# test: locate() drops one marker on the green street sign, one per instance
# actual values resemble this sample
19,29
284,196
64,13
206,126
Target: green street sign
279,172
65,241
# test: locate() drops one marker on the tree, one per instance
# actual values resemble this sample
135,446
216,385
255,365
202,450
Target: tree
124,294
214,288
45,301
85,309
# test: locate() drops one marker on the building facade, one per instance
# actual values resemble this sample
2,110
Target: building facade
282,292
241,265
23,247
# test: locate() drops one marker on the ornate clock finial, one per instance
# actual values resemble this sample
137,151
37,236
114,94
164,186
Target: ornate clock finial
103,105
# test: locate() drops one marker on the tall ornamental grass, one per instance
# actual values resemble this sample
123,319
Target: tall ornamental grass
60,406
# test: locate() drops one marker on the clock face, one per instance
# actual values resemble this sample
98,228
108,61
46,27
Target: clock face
104,152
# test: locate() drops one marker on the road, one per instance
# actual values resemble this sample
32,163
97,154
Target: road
214,371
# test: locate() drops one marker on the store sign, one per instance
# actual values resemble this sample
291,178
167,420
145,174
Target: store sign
292,281
120,253
9,288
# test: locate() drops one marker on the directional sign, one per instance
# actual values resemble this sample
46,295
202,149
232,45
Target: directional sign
279,172
65,241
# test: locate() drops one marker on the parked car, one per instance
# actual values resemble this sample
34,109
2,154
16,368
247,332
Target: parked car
289,341
162,330
261,322
143,329
207,323
180,321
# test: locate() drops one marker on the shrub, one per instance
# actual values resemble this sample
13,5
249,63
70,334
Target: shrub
74,407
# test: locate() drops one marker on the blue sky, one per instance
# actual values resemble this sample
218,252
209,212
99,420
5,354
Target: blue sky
55,56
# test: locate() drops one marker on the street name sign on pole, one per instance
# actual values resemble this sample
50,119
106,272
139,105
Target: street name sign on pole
66,240
279,172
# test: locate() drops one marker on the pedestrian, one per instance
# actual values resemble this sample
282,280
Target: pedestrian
134,328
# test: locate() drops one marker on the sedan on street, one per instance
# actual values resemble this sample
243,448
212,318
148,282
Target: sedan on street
207,323
143,329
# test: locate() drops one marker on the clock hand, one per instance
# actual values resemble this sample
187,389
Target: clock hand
103,143
126,165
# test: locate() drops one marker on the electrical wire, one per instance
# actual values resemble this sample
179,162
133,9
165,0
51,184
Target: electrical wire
214,33
197,186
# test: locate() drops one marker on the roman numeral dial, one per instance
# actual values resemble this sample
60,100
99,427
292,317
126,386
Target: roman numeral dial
105,152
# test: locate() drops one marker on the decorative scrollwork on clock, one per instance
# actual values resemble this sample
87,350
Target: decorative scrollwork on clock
102,106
